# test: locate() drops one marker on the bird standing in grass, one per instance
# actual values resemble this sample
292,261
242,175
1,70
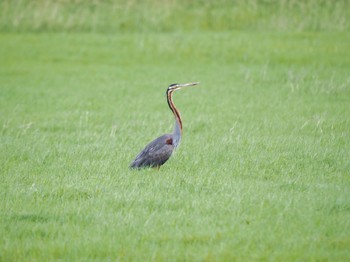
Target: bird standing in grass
159,150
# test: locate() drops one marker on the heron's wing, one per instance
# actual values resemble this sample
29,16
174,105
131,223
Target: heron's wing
155,153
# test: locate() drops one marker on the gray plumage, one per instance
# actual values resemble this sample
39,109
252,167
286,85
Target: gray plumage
155,153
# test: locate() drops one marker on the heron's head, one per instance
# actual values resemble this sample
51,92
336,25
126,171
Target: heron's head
174,87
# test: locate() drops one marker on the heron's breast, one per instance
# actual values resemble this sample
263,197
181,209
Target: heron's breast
169,141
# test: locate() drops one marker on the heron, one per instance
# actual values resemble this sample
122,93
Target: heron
157,152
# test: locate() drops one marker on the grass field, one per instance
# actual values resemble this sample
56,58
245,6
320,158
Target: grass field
263,170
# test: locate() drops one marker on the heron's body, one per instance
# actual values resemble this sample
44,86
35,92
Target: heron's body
159,150
155,153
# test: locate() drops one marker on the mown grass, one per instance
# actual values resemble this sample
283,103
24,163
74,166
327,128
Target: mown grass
262,172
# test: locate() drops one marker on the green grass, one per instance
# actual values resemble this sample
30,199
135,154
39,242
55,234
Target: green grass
262,172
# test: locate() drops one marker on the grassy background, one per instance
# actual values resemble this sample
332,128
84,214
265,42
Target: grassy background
263,169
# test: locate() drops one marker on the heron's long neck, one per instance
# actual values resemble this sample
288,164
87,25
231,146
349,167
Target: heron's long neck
178,122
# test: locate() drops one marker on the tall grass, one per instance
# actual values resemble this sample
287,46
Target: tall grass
155,15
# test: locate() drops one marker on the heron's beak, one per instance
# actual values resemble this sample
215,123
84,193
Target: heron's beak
188,84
